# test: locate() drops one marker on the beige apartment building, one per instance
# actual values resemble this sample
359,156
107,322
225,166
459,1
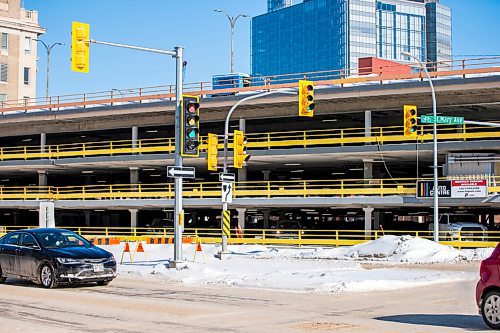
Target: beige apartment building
19,30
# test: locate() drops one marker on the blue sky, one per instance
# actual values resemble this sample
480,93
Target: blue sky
193,24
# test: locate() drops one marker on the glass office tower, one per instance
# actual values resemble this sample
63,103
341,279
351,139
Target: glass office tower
324,35
439,35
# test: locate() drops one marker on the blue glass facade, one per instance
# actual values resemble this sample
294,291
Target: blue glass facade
310,36
323,35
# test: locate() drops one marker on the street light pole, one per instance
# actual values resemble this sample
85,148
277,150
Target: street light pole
232,22
226,143
435,149
48,49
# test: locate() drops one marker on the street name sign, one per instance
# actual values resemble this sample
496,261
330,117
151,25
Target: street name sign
180,172
227,177
429,119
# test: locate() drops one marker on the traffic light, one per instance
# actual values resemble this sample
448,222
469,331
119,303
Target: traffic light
212,143
240,155
190,128
306,98
410,120
80,47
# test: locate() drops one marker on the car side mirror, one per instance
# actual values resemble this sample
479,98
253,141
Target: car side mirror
32,245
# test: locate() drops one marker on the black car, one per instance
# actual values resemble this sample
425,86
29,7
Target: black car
54,256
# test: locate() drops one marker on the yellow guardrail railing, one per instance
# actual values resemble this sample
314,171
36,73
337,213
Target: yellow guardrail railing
330,137
314,237
248,189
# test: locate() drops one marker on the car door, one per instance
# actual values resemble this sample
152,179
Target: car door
9,253
25,258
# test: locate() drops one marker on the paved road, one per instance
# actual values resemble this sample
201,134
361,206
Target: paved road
151,305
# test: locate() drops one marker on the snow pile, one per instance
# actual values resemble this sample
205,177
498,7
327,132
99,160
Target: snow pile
394,249
326,270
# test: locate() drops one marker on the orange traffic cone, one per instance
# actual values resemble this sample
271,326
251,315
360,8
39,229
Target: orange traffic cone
140,249
127,249
198,249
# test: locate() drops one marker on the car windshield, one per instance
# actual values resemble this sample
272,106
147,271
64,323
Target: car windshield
60,239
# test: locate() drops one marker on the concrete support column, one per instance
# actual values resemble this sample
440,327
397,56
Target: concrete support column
42,178
368,169
87,218
241,217
135,137
133,218
377,218
368,220
134,178
43,142
46,215
266,213
242,174
368,124
266,174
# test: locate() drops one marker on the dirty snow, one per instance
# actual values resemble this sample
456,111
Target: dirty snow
309,269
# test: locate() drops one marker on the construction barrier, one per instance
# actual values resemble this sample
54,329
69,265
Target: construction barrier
104,240
167,240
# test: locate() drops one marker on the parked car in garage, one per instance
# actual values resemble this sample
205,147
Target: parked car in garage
488,290
287,229
50,256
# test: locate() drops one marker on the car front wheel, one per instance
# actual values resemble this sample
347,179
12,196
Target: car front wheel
47,277
490,309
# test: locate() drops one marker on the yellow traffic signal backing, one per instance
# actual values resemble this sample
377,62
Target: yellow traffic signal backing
212,143
306,98
80,47
410,120
240,155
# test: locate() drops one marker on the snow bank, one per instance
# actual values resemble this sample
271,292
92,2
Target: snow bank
306,269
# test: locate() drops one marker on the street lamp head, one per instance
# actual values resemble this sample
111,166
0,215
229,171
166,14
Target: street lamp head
218,11
406,54
247,16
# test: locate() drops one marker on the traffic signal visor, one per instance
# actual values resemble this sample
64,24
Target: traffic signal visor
306,98
410,120
80,47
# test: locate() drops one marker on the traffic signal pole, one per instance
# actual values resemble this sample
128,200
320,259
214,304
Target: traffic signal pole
178,216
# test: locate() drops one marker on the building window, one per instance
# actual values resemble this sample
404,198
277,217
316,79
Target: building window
3,97
5,41
3,72
26,75
27,44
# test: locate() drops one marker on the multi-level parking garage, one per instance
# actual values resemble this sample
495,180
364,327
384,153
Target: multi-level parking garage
102,158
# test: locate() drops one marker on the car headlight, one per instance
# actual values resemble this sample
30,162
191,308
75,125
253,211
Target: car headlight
69,261
111,260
